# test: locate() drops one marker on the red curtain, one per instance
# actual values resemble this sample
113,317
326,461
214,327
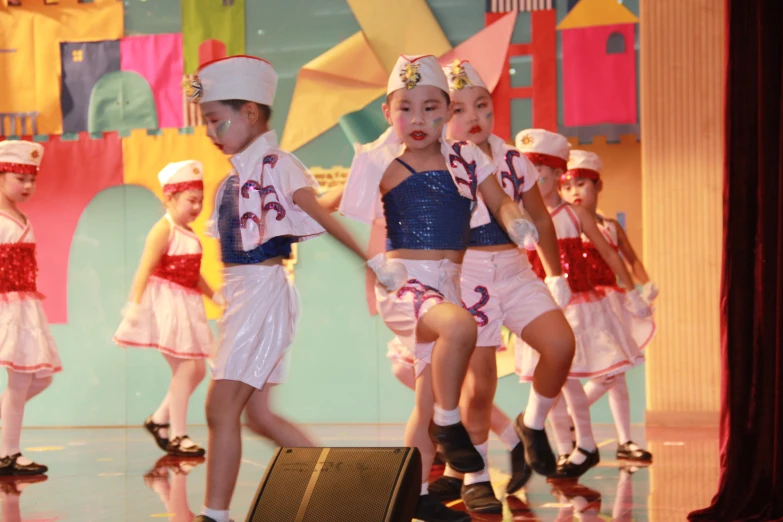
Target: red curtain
751,430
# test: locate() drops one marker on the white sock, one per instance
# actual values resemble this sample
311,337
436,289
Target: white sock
449,472
218,516
538,407
509,437
483,475
580,413
443,417
620,404
425,488
561,426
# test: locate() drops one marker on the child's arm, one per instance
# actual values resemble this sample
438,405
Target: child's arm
330,200
204,287
626,249
507,212
612,258
154,248
306,198
547,238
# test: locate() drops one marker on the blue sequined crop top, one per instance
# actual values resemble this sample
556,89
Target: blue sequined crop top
427,212
230,239
490,234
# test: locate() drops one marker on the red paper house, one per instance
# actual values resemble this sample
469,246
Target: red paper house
599,64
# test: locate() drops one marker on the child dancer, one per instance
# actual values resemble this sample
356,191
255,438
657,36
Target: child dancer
262,208
601,340
500,289
428,187
27,349
166,310
580,186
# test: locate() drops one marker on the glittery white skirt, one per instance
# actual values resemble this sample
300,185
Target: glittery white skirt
26,343
602,341
258,325
171,320
642,329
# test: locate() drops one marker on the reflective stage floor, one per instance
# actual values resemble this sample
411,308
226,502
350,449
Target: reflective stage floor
118,474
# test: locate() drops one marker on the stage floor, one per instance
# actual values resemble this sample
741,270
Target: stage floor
116,474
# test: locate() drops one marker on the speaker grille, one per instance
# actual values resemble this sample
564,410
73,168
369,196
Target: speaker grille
286,485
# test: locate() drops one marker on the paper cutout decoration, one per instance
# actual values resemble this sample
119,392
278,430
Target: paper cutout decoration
121,101
599,64
211,50
72,173
158,58
406,27
486,50
363,126
83,63
352,74
203,21
35,31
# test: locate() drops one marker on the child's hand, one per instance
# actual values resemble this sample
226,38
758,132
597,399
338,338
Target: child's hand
391,275
649,291
132,314
523,233
638,306
219,299
561,292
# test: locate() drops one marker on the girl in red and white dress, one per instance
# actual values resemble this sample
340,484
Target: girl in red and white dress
27,349
580,186
166,309
602,341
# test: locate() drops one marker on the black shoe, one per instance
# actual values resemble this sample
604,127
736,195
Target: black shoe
15,484
520,471
569,470
154,429
562,459
538,453
458,450
630,451
203,518
10,466
480,498
446,489
430,510
176,449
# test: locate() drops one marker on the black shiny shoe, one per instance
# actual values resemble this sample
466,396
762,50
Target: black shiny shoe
203,518
458,450
520,470
562,459
480,498
446,489
176,449
630,451
430,510
569,470
538,453
154,429
9,466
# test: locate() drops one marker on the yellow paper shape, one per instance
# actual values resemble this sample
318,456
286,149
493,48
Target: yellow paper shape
399,27
592,13
30,37
144,156
344,79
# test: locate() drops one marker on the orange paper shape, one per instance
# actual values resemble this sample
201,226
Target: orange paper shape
342,80
486,50
592,13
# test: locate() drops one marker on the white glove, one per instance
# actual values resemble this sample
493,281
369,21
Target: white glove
131,313
649,291
523,233
561,292
391,275
219,299
638,306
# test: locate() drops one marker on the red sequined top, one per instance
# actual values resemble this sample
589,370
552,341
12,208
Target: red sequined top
183,269
600,273
18,268
572,259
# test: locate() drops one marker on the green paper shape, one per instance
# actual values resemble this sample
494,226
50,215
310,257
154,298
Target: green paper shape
121,101
363,126
222,20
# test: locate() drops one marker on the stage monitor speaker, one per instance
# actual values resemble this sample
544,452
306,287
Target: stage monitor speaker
339,485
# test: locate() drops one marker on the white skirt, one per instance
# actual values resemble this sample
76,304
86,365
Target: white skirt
171,320
258,326
26,344
602,341
642,329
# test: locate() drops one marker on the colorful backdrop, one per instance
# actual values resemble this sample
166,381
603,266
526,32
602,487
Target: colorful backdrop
99,85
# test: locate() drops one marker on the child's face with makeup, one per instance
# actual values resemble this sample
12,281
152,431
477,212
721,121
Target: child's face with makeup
418,115
473,115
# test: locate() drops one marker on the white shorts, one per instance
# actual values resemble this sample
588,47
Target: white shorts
500,289
429,283
258,326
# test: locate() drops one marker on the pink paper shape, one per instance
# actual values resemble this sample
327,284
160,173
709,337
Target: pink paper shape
210,50
598,87
158,58
486,50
